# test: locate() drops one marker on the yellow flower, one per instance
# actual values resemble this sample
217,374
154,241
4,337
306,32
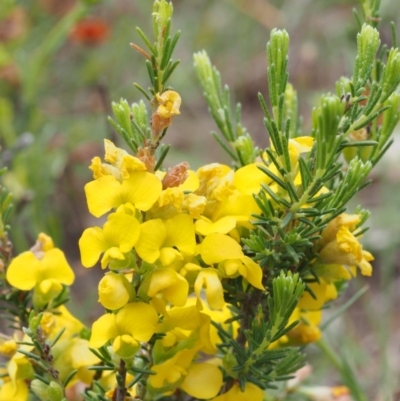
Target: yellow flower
115,291
346,250
52,323
73,353
118,236
307,331
217,248
323,292
301,144
183,322
44,268
224,225
8,347
141,189
169,103
251,393
168,284
166,240
14,392
210,281
248,179
199,380
202,381
135,322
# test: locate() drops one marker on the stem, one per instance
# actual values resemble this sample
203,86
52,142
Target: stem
330,354
121,390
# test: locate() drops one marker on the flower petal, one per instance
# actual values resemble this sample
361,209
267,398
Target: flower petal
218,247
180,233
122,230
142,189
55,266
152,236
203,380
137,319
92,244
209,279
103,329
23,271
248,179
103,194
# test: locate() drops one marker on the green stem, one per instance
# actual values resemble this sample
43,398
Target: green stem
330,354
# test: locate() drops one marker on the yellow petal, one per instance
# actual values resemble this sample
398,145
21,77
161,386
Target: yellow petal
209,280
152,236
17,391
23,271
114,291
308,302
103,329
205,226
180,233
122,230
173,286
125,346
203,381
248,179
218,247
142,189
92,244
55,266
137,319
103,195
191,183
251,393
253,272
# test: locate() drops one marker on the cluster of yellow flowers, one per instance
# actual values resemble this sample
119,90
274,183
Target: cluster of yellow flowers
44,270
170,242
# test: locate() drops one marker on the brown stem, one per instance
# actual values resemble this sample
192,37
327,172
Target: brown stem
120,392
247,310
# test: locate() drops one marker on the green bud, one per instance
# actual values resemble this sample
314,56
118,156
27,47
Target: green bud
277,54
368,43
343,87
327,116
244,145
162,12
391,74
51,392
290,109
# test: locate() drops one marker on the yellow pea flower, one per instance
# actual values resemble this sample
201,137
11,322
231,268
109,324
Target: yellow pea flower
346,250
14,392
159,238
74,354
248,179
169,103
210,281
115,291
118,236
205,226
307,331
43,268
202,381
219,248
135,322
167,283
251,393
141,189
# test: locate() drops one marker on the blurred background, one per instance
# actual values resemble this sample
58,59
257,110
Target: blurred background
63,62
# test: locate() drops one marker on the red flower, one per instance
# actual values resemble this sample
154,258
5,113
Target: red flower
91,31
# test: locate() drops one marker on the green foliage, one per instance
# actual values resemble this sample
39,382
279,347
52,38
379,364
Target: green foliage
240,144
